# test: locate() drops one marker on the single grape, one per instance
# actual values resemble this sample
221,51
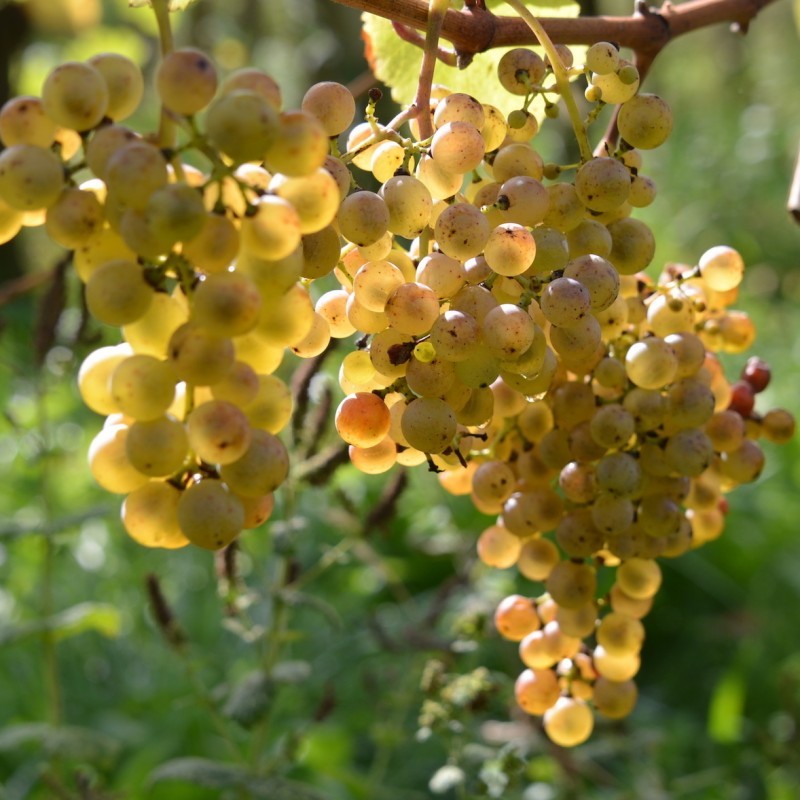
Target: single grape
645,121
117,292
332,104
569,722
75,95
31,177
186,81
429,424
157,447
150,516
242,124
209,514
124,81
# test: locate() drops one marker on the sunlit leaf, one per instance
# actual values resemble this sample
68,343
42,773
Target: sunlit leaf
100,617
396,62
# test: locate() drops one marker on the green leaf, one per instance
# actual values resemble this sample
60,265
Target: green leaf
726,709
396,63
249,700
70,741
218,775
101,617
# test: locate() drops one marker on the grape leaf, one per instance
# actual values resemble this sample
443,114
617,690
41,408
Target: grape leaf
174,5
396,62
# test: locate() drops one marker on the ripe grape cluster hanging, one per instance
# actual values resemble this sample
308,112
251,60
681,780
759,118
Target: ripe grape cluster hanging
499,325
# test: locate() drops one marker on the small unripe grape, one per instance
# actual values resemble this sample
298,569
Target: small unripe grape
569,722
210,515
75,95
186,81
150,516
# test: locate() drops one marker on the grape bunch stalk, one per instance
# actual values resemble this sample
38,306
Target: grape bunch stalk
500,327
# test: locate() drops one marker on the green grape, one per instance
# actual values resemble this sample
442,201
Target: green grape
412,308
651,363
479,369
459,107
440,184
362,419
615,668
409,203
363,218
569,722
320,252
109,463
689,350
198,356
242,124
315,197
255,80
691,404
577,622
74,217
226,304
527,199
31,177
630,606
612,426
264,358
494,127
508,331
430,378
565,211
209,514
124,81
272,276
578,483
11,220
721,268
384,351
374,282
520,69
534,510
598,276
135,171
616,87
603,184
457,147
778,426
315,341
565,302
157,447
239,386
261,469
577,534
614,699
645,121
219,432
493,482
612,514
374,460
272,232
537,558
648,406
186,81
522,125
477,301
94,375
117,292
510,249
618,473
669,313
744,464
633,245
271,409
429,424
176,213
552,252
602,58
537,690
516,160
516,616
364,320
104,143
387,158
620,635
332,104
150,516
639,578
143,387
23,120
544,648
75,95
572,584
300,145
444,275
643,191
499,549
288,318
215,246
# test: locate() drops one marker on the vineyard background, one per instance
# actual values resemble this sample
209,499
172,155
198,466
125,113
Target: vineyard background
720,684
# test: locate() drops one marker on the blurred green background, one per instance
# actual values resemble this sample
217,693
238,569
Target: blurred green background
97,706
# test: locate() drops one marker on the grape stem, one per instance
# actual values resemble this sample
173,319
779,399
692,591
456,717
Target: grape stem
167,130
560,74
422,102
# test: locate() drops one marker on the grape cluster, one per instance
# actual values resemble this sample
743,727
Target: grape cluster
503,330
